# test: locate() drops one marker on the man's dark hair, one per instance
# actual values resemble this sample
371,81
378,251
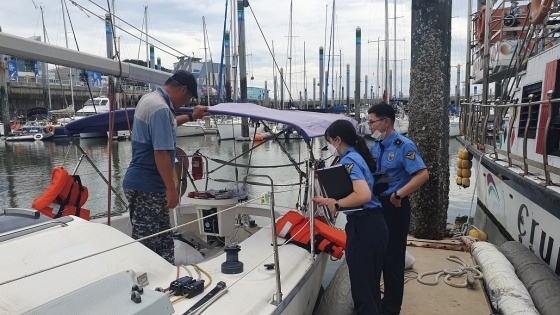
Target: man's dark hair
383,110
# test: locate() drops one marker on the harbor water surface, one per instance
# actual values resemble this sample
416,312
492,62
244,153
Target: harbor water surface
26,169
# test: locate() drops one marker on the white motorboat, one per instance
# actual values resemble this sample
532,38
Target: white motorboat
190,129
454,130
97,105
231,128
401,126
515,143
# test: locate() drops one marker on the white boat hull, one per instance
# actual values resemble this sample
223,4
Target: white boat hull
454,130
187,130
230,130
401,126
529,213
72,249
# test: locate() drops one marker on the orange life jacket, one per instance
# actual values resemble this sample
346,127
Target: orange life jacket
294,226
66,191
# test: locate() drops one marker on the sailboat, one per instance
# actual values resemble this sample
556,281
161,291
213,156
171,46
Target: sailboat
239,272
514,135
67,258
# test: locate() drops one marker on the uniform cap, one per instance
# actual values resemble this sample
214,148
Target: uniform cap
188,80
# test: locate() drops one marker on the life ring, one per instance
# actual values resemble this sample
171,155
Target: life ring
481,24
539,10
38,136
49,129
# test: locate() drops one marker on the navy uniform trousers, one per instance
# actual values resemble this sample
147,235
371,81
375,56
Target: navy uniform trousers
366,242
398,221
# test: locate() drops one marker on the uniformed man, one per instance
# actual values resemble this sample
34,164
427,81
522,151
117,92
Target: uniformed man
398,157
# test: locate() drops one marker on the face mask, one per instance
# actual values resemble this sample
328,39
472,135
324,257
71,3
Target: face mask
332,150
379,136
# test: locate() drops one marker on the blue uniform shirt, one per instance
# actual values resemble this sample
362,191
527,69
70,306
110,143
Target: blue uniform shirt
398,157
154,129
358,170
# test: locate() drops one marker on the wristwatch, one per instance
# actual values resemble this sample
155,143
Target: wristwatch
397,196
190,117
336,205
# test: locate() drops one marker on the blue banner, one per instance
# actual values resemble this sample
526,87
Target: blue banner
95,78
36,68
12,70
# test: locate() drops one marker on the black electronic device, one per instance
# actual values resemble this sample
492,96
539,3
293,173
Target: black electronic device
194,288
210,221
179,286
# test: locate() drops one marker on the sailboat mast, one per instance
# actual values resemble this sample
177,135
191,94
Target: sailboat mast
468,58
290,50
340,96
45,65
242,64
206,62
274,76
147,38
70,69
234,41
486,60
395,50
305,78
386,82
333,56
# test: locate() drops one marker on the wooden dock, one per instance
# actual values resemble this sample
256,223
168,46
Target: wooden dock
441,298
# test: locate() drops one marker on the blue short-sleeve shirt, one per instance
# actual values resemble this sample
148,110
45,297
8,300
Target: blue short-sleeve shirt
358,170
154,129
398,157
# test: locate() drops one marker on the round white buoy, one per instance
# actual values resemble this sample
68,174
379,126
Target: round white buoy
38,136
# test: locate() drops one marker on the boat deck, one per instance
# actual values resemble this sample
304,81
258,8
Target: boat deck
441,298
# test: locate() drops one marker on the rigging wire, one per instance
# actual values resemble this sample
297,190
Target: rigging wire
269,50
140,42
122,29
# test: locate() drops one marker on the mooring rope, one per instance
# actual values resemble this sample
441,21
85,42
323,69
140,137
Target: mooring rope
472,273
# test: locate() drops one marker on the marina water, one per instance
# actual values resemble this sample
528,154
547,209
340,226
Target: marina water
26,170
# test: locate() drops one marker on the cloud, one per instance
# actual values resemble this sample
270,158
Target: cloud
178,23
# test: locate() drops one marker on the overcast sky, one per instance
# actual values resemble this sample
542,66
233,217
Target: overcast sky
178,23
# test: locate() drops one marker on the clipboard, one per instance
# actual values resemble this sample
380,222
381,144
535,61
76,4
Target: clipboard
336,182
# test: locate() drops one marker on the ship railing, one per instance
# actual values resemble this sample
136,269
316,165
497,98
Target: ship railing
474,127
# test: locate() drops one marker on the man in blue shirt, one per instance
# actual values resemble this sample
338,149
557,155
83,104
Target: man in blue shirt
398,157
148,182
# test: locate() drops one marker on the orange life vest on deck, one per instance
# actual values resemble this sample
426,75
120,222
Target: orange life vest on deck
66,191
294,226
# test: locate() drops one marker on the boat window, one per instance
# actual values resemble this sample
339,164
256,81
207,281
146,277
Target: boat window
534,89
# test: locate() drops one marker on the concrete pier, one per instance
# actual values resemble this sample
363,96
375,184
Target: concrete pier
23,96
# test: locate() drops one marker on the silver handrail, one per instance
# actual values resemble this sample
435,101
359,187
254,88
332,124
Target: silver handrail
277,297
479,114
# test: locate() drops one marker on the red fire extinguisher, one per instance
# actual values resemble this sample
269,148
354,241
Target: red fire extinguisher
197,167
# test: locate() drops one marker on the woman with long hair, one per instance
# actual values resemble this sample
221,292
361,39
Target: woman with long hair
366,231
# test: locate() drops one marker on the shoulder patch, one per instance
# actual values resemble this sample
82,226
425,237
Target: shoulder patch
349,167
398,142
411,155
